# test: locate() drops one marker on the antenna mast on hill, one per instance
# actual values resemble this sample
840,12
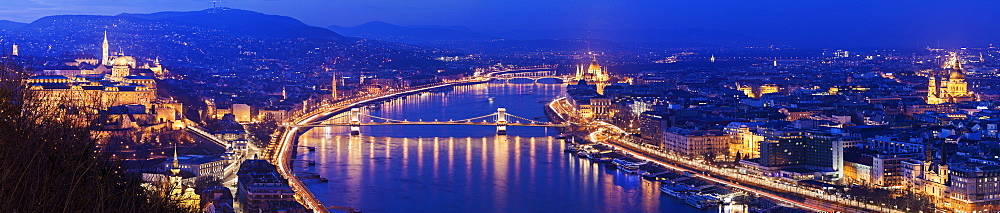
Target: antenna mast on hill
216,5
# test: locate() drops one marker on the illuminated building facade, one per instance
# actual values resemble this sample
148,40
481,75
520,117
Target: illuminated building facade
117,80
757,91
692,142
743,139
593,73
185,196
968,187
953,89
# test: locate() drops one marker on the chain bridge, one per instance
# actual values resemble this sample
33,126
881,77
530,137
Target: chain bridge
501,119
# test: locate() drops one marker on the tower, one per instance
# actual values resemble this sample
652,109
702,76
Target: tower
186,196
712,59
932,87
175,179
105,57
14,52
501,121
156,68
333,87
284,93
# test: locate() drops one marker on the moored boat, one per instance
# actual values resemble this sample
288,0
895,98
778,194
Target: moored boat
701,201
572,148
669,190
630,165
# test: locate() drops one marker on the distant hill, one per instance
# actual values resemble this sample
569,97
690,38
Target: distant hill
244,22
413,34
209,44
693,36
428,34
10,25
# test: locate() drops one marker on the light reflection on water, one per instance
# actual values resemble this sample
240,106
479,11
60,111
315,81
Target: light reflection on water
469,168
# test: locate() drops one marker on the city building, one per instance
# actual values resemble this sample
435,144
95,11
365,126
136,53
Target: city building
242,113
261,189
745,139
758,91
601,107
799,154
200,165
974,187
652,124
694,142
874,169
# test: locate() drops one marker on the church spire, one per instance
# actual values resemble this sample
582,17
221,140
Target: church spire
105,57
176,165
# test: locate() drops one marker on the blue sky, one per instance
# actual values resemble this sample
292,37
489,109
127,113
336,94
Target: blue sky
842,22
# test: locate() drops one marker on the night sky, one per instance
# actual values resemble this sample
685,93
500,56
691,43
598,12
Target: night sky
806,23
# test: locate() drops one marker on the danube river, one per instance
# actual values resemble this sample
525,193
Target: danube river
468,168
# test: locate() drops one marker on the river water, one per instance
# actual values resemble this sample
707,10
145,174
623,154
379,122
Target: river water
413,168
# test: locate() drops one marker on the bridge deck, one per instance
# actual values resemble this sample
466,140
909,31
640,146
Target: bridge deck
434,123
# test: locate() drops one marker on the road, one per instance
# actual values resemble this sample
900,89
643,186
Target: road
619,139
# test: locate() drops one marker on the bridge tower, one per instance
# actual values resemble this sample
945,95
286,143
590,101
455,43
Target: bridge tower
501,121
355,121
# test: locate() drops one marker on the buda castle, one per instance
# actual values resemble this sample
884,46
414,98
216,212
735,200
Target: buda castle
93,85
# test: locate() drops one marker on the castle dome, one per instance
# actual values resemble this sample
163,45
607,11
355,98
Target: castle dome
123,61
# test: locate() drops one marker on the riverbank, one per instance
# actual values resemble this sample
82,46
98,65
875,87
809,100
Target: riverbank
658,157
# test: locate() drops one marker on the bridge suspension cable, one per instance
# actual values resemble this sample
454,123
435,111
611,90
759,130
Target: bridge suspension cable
529,120
386,119
470,119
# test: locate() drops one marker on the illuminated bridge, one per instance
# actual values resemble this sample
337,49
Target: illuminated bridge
532,74
500,119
